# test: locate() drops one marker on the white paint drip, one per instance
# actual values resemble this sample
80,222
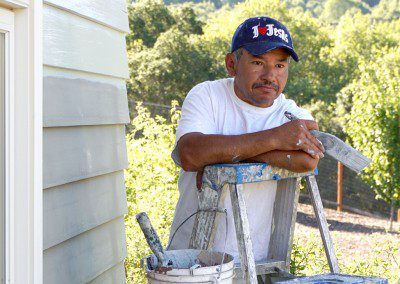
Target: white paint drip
321,145
299,143
311,152
236,159
235,155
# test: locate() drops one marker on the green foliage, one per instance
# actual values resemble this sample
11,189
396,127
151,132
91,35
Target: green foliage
387,10
357,38
383,260
203,10
313,6
187,21
151,183
374,122
308,258
325,114
147,20
335,9
171,59
170,69
216,3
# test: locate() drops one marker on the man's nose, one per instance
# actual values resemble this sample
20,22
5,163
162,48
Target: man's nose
268,73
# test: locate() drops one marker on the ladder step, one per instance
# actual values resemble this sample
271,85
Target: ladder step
262,267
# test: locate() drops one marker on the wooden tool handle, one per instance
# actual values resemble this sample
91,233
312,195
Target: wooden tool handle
151,237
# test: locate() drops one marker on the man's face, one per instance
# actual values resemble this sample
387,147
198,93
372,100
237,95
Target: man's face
259,79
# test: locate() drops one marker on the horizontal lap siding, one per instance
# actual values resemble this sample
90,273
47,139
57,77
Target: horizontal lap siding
80,44
86,256
84,153
110,13
75,153
114,275
73,208
78,98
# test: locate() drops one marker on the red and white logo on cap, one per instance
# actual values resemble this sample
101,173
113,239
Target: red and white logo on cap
269,30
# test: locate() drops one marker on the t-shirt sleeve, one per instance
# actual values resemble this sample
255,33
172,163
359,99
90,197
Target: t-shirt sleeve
196,116
297,111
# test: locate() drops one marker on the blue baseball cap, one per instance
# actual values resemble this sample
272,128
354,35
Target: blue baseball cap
260,35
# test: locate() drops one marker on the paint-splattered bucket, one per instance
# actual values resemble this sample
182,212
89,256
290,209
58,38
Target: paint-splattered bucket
191,266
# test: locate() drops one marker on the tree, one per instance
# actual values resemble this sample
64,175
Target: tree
387,10
147,20
166,57
216,3
373,123
186,20
325,114
170,69
335,9
358,38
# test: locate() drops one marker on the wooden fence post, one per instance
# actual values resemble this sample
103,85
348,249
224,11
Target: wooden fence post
340,187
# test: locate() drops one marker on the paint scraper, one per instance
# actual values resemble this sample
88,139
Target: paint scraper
338,149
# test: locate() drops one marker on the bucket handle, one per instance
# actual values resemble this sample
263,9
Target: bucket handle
217,210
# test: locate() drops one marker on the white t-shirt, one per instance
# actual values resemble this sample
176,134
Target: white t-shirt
213,108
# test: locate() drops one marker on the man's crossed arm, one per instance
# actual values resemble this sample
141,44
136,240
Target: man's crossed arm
289,146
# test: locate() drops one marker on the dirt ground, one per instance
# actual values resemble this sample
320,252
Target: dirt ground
354,235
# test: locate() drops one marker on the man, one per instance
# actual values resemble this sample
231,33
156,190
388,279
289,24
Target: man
242,119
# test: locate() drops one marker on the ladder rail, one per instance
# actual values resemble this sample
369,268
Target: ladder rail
322,224
243,237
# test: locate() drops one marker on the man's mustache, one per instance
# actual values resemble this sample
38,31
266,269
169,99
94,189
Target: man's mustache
266,83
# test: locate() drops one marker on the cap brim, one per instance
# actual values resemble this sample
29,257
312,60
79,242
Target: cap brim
262,47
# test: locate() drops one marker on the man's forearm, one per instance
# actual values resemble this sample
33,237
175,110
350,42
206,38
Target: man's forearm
200,149
295,161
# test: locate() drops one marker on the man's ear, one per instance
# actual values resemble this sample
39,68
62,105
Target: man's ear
230,64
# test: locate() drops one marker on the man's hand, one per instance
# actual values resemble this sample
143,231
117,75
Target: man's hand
295,135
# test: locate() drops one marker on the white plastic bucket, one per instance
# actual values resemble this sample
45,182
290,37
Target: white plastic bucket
192,266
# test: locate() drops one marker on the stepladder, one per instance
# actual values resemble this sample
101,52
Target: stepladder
219,180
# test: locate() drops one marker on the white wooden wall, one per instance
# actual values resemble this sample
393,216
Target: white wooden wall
84,153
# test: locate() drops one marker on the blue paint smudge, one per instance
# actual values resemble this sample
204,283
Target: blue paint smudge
276,177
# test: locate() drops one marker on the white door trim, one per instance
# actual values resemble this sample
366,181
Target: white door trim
37,75
24,209
7,27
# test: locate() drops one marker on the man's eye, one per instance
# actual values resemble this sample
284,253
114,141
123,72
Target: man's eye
257,62
280,65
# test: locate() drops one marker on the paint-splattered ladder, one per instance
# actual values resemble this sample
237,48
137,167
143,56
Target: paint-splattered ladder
220,179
